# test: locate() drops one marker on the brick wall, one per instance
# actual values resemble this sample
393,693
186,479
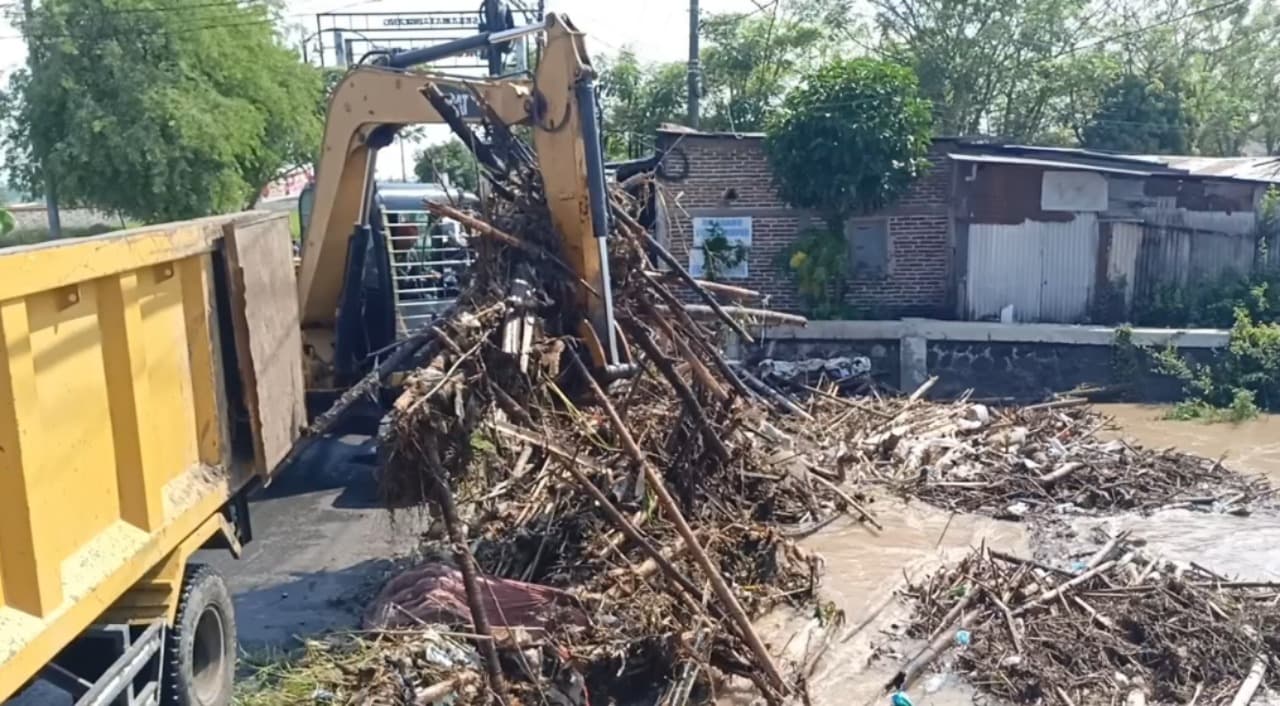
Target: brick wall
716,175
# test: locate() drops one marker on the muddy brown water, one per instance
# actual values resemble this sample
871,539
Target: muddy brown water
865,568
1249,447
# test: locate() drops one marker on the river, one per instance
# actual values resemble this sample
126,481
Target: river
865,568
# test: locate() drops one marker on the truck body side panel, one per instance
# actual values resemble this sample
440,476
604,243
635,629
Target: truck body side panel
114,443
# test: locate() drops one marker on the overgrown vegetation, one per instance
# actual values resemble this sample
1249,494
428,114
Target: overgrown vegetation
1126,357
1243,379
1213,303
871,110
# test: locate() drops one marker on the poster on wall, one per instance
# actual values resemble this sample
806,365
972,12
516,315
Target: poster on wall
731,238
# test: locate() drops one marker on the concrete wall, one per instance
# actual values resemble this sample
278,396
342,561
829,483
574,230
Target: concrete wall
1022,361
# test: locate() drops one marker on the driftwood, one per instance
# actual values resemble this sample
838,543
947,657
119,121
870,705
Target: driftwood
1088,637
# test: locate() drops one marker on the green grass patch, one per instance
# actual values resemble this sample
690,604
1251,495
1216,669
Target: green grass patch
1241,409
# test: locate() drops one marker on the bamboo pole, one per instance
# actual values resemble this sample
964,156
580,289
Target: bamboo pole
728,601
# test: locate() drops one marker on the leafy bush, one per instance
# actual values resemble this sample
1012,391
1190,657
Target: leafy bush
819,263
1243,379
1212,303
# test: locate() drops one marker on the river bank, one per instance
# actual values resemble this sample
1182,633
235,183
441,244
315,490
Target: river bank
867,569
867,574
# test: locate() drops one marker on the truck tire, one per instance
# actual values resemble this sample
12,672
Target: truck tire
200,651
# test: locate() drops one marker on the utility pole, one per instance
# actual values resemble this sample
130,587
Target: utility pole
695,68
50,184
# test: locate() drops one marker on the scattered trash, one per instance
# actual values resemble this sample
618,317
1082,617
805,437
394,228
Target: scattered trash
963,638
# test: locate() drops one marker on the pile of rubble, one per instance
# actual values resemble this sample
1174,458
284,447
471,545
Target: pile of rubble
1120,627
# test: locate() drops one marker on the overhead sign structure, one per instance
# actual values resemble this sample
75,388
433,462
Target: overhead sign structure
341,39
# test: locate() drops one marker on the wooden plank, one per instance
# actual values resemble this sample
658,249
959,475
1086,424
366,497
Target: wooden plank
268,337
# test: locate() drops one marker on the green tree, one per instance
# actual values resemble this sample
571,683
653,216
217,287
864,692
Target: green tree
751,60
988,66
159,110
850,140
451,159
1140,116
637,98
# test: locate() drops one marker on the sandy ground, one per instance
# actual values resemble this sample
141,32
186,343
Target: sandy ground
321,545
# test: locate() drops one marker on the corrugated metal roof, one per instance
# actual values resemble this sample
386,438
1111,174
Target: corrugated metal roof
1049,163
1265,169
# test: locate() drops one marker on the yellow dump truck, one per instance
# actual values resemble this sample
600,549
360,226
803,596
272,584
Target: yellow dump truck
147,379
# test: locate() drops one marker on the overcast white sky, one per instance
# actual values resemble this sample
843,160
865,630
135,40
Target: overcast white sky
657,29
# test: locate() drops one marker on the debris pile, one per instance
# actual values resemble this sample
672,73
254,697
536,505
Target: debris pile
1022,461
423,666
1120,628
656,498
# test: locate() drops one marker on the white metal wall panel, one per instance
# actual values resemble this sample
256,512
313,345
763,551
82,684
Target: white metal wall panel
1122,263
1069,255
1073,191
1004,269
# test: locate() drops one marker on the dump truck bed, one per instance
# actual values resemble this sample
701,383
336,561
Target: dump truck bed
133,371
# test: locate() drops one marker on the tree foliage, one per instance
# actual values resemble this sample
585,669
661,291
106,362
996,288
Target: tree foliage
1034,71
157,110
988,66
749,62
1139,116
451,159
639,97
850,140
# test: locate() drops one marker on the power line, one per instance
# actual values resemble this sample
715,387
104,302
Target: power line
1155,25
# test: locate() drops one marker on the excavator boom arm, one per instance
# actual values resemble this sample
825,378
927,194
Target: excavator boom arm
373,102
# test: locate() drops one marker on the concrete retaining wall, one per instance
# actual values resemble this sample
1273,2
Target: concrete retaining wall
1024,361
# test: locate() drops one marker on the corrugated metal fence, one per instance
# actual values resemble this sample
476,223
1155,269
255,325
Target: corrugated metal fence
1148,256
1054,272
1045,270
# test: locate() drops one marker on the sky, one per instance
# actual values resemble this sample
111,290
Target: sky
658,30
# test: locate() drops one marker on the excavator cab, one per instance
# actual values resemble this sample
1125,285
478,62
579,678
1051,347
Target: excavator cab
427,257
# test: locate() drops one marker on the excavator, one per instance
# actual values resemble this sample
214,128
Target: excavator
345,274
147,377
